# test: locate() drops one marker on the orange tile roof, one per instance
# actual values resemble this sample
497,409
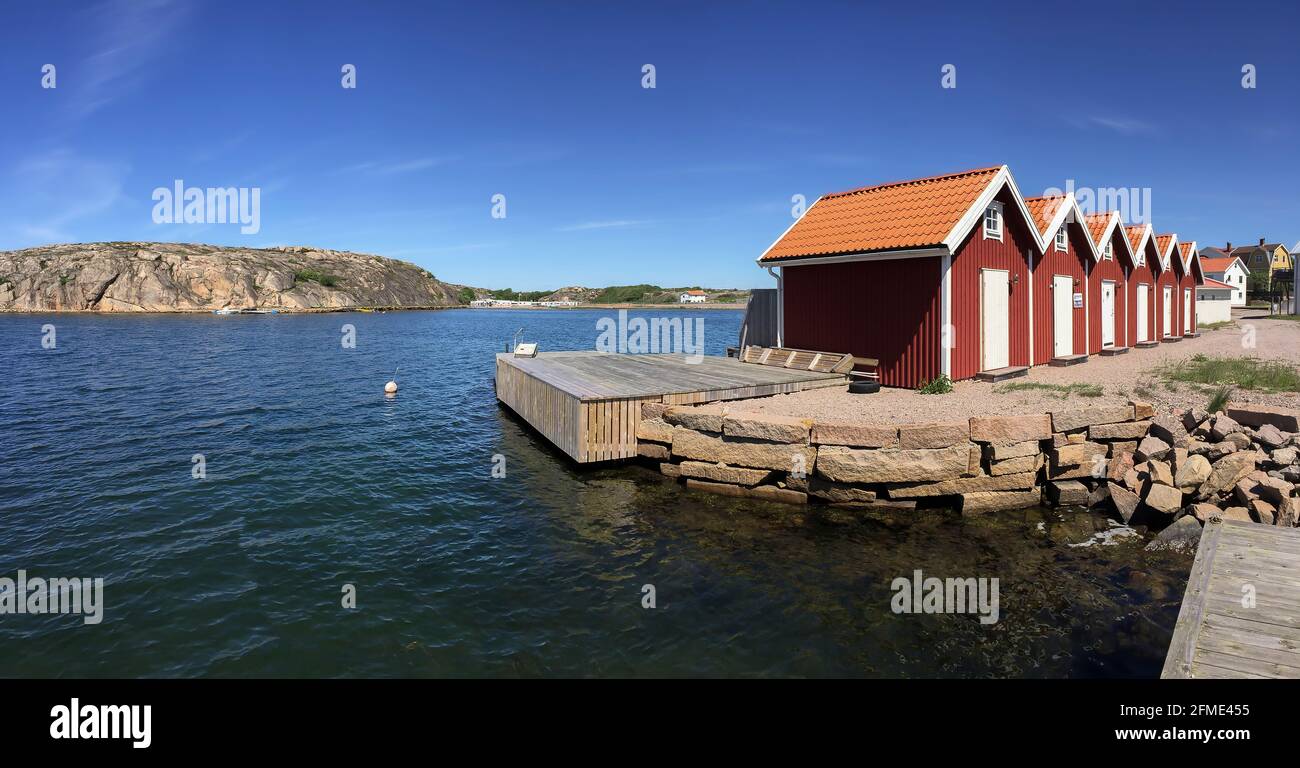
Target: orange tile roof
1217,265
1185,251
1162,243
1097,226
906,214
1134,232
1044,209
1212,283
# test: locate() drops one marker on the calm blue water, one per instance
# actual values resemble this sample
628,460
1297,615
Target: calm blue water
316,480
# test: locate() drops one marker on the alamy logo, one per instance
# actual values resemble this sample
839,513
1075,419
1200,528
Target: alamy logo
1133,203
638,336
43,596
935,595
213,205
103,721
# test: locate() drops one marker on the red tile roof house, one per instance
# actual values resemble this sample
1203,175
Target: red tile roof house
1144,299
1060,327
929,276
1109,291
1192,277
1169,287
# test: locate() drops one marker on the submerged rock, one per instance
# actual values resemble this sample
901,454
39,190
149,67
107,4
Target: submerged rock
1183,536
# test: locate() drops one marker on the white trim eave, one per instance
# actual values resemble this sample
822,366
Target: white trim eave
1187,266
1111,227
1142,246
1165,259
976,212
914,253
1080,219
759,260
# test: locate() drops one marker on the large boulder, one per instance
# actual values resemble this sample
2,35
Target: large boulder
933,435
853,465
855,435
1004,430
1226,472
1164,498
993,501
1152,447
1170,429
1126,502
721,473
742,452
1124,430
1192,473
1182,536
1271,437
763,426
1016,482
1064,493
1285,419
1078,418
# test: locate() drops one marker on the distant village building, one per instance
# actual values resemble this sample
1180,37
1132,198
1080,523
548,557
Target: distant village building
1214,301
1263,261
693,297
1226,270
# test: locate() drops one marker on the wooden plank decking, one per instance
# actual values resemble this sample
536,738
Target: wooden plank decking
589,403
1220,633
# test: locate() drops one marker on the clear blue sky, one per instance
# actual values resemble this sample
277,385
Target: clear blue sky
607,182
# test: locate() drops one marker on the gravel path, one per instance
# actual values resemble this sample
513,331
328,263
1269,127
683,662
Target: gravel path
1123,377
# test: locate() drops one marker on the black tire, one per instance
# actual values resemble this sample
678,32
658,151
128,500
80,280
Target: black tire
863,387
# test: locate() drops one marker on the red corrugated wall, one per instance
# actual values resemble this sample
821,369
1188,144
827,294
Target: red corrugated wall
1054,262
1147,274
975,254
887,309
1170,278
1108,269
1189,281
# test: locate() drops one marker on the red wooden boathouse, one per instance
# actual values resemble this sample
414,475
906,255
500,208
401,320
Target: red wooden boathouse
1108,284
929,276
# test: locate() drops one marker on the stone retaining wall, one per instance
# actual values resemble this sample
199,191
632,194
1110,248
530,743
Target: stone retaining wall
1150,470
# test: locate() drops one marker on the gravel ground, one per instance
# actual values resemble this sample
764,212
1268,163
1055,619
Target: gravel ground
1123,377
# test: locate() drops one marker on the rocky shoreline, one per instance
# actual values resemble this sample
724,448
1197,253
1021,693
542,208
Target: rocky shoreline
1168,472
184,278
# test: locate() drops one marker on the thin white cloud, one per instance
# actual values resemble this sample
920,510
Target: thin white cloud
1126,126
128,35
393,168
586,225
60,188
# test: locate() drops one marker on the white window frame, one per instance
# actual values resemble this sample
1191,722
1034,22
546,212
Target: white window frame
1108,252
1062,239
990,234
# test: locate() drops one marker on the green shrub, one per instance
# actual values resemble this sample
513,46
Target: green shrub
1060,390
940,385
313,276
625,294
466,295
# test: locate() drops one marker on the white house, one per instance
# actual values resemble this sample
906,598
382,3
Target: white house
693,296
1226,270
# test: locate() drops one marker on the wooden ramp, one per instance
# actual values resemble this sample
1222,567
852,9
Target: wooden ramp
589,403
1220,632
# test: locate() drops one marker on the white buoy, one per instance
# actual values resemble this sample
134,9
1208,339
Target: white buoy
390,387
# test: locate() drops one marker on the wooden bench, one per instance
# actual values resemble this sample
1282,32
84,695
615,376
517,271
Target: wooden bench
811,360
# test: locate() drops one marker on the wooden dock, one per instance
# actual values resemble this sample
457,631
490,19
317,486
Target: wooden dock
1220,631
589,403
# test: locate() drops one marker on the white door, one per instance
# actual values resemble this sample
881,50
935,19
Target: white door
1168,311
1062,315
995,319
1143,290
1108,313
1187,310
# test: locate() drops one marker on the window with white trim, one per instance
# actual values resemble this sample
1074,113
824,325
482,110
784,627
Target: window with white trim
993,222
1062,240
1109,251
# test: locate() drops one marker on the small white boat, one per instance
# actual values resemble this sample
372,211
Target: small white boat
225,311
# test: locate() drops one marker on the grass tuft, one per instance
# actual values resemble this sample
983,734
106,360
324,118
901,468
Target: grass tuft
940,385
1215,326
1243,372
1219,400
1060,390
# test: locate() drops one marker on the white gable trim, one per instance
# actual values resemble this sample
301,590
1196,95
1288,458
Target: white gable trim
1165,258
759,260
1070,205
975,214
1108,234
1187,264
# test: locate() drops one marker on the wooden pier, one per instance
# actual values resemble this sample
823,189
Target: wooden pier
589,403
1241,611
